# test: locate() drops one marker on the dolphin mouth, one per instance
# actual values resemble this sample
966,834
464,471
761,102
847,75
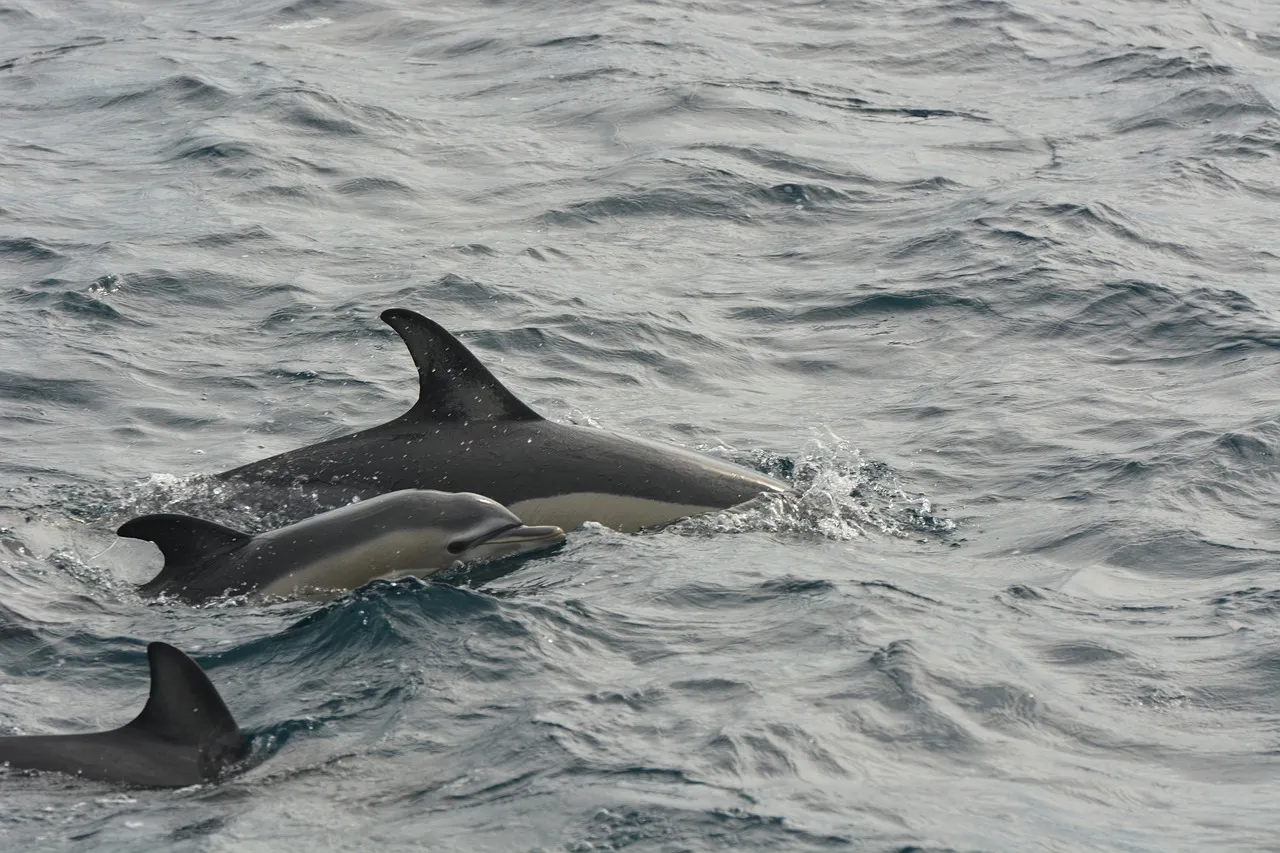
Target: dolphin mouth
513,535
522,534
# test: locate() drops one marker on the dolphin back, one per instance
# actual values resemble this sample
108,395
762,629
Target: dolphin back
469,433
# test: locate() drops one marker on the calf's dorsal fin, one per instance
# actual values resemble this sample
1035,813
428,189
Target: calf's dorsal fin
183,539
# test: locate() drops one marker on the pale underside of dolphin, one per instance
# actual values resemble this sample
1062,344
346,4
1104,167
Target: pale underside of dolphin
410,532
184,736
468,433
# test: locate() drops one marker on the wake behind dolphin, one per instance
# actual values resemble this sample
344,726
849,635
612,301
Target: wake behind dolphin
184,736
468,433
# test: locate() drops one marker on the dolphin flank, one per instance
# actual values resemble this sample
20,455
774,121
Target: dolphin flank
184,736
468,433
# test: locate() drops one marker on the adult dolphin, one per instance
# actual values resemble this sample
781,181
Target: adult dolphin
468,433
184,736
411,532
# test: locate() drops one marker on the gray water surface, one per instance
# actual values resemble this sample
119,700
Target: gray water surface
993,283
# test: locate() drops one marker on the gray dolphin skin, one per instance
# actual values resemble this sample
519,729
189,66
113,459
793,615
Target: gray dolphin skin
468,433
184,736
414,531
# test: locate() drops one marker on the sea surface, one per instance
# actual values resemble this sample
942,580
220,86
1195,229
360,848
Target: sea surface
994,283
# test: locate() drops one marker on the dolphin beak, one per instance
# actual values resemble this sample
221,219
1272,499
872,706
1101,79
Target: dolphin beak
523,537
508,541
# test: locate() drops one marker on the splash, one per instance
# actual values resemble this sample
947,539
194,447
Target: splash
235,504
837,494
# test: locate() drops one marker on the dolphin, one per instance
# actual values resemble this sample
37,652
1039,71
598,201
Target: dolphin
184,736
413,531
467,432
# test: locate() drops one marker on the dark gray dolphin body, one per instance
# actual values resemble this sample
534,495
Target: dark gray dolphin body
414,532
184,736
468,433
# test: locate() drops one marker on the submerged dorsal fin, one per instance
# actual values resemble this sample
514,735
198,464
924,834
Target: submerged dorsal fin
184,707
453,384
183,539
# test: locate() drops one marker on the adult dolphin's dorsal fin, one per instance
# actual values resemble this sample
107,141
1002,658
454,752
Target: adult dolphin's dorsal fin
184,707
183,539
453,384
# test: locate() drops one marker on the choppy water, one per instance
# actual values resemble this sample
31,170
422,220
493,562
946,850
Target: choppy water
994,282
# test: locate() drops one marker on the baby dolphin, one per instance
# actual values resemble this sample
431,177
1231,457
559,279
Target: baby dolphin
410,532
184,736
467,432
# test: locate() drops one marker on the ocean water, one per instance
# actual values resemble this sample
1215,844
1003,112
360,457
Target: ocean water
994,283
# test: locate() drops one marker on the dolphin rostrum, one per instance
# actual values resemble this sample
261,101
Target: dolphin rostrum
413,531
184,736
467,432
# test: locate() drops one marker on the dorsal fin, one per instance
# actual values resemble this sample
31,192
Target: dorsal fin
452,383
183,539
184,707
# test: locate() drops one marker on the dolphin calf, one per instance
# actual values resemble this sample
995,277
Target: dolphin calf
185,735
467,432
414,532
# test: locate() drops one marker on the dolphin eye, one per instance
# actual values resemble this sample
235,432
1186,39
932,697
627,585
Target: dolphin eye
457,546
